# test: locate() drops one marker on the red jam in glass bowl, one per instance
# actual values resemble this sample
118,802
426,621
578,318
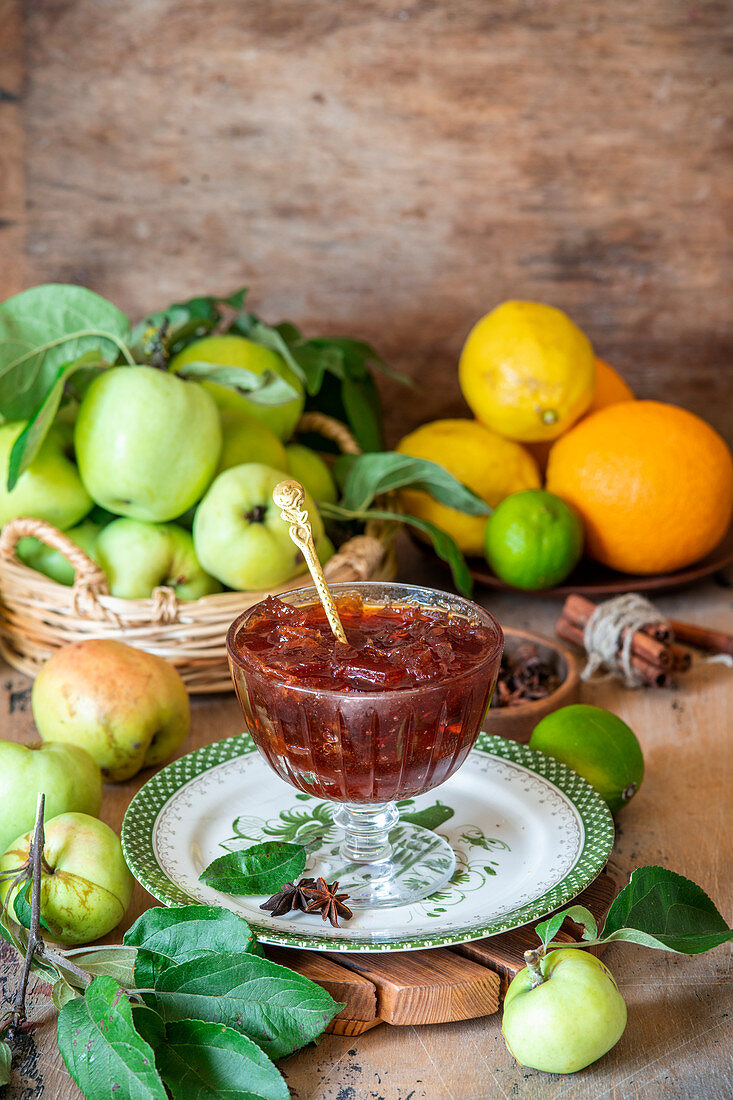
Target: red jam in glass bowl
390,714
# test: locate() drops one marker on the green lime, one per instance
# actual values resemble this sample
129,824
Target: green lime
533,539
597,745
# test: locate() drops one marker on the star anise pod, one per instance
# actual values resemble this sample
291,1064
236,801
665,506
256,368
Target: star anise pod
291,895
325,900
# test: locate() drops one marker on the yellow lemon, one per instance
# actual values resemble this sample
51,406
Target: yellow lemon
527,371
493,467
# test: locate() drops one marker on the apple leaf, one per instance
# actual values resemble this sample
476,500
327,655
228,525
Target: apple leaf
189,931
167,331
277,1008
315,361
45,327
205,1061
259,869
22,907
101,1048
445,547
267,388
547,930
661,909
29,442
62,993
364,477
6,1057
115,961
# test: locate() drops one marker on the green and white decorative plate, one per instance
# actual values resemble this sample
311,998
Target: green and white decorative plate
529,835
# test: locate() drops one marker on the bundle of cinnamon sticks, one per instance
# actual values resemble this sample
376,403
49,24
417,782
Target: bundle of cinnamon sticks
655,655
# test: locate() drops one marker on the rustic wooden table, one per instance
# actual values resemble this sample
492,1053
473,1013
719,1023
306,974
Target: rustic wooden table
679,1008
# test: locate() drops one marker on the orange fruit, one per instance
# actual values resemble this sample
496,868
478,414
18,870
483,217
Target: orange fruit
652,483
610,389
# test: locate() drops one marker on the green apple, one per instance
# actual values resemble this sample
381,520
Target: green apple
137,557
572,1018
50,488
239,534
128,709
245,439
66,774
311,471
147,443
237,351
86,886
51,562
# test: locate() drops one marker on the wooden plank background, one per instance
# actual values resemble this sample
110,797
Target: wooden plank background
387,169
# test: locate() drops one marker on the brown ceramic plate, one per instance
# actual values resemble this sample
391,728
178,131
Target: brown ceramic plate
591,579
517,723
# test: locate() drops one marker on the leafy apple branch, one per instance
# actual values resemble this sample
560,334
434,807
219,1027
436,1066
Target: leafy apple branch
187,994
658,909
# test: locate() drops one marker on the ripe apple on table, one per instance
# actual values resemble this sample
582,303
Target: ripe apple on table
563,1013
86,885
66,774
128,709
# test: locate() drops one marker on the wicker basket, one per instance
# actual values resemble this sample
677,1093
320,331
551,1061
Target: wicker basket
38,616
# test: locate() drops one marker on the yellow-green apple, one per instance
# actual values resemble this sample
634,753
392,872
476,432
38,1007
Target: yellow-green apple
239,534
237,351
311,471
69,777
245,439
51,487
570,1019
147,443
86,886
128,709
137,557
53,564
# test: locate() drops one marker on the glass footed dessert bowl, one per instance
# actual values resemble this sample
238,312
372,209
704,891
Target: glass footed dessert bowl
388,716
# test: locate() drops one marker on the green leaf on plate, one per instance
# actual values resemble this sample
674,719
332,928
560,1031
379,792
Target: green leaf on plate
45,327
363,477
267,388
6,1057
29,442
664,910
205,1061
277,1008
432,817
101,1048
260,869
189,931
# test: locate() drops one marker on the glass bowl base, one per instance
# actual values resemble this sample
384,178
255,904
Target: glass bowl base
419,864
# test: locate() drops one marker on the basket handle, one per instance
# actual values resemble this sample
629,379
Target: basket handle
331,429
89,580
86,570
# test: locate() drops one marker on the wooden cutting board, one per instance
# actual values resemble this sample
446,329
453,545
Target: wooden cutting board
435,986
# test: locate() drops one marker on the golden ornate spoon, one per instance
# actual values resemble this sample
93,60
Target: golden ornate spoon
289,496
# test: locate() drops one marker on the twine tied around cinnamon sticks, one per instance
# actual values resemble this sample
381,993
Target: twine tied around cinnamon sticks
609,633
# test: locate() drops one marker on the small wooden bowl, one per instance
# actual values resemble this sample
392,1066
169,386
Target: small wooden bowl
517,723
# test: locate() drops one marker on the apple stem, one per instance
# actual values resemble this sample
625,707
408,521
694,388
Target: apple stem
532,959
35,941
